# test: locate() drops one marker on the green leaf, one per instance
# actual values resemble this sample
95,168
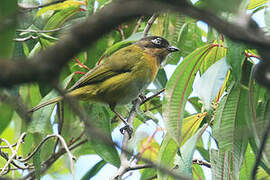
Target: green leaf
217,53
190,126
209,84
262,119
99,116
184,161
94,170
166,155
248,163
161,79
178,90
195,101
197,172
235,58
148,173
8,24
6,113
230,130
60,17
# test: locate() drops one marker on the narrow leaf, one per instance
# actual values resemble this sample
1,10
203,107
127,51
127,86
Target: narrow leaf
178,89
94,170
230,132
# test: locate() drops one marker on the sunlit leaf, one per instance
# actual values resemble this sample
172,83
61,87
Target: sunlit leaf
191,125
60,17
60,6
255,3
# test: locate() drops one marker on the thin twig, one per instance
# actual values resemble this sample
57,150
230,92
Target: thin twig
201,162
14,153
39,31
149,24
121,31
124,155
151,97
139,166
26,38
138,25
50,160
71,157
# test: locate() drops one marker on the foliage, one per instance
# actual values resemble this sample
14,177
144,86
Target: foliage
210,93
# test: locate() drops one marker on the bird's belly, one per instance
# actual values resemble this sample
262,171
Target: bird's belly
123,88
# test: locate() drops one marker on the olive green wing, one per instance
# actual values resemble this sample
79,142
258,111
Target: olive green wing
121,61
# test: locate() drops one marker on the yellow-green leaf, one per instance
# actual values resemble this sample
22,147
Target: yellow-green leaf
60,6
255,3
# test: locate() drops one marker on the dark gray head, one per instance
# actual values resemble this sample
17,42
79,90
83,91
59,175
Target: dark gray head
156,46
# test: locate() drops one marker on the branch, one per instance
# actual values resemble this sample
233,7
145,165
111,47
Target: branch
125,165
149,24
46,66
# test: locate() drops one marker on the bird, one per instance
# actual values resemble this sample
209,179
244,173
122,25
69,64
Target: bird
122,76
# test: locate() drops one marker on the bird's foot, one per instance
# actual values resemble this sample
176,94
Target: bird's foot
128,129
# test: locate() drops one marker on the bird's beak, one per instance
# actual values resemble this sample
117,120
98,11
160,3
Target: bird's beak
172,49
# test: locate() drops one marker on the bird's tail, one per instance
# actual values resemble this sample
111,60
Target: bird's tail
51,101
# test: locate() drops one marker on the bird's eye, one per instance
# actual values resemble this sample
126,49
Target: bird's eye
157,41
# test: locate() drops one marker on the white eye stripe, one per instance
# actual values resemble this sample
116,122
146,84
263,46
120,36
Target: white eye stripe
156,41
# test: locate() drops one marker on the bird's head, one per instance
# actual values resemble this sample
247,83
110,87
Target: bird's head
156,46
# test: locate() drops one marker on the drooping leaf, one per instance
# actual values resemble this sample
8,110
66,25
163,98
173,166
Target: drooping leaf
235,58
178,89
230,126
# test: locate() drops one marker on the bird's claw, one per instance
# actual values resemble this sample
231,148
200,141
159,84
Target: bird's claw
128,129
